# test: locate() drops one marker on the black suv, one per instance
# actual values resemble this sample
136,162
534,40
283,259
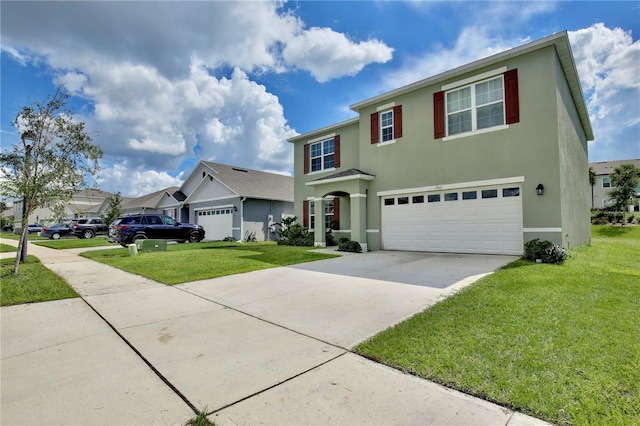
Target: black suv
127,229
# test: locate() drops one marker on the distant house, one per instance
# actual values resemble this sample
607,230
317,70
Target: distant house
601,189
478,159
84,203
227,201
235,202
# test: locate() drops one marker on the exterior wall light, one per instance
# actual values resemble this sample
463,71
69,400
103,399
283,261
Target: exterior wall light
540,189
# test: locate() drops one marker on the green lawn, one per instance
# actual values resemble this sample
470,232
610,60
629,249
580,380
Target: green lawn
12,236
74,242
192,262
6,248
561,343
34,283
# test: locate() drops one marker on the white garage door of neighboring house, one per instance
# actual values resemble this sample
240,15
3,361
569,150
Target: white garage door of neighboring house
217,223
471,220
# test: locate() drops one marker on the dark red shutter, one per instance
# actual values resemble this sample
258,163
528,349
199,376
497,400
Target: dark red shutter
305,213
438,115
306,159
336,147
512,103
397,121
375,130
336,212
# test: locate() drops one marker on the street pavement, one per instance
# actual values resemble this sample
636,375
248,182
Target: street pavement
266,347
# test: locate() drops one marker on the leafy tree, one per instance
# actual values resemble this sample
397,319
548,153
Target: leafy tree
592,181
58,212
53,159
624,181
114,201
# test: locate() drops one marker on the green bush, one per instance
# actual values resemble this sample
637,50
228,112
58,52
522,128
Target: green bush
605,216
546,251
347,245
293,234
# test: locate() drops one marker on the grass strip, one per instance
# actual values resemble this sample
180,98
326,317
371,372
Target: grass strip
192,262
556,342
6,248
74,242
33,283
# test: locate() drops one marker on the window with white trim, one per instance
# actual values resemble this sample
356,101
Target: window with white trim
475,107
322,155
606,182
386,125
328,214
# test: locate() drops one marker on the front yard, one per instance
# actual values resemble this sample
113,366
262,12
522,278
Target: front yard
561,343
192,262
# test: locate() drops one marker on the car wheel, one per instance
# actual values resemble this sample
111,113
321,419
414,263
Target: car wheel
182,241
55,236
139,237
194,237
88,234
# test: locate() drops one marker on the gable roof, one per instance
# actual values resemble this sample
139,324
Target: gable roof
607,167
563,48
149,201
253,183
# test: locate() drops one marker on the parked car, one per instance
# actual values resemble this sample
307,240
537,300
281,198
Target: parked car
127,229
54,232
89,228
31,228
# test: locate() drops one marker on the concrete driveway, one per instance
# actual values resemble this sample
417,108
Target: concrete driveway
266,347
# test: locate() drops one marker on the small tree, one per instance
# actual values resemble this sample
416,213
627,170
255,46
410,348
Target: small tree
624,181
58,212
114,201
52,160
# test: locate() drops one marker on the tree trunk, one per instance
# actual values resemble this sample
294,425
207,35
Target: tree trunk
22,243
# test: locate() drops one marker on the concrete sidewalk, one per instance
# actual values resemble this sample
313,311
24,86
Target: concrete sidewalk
267,347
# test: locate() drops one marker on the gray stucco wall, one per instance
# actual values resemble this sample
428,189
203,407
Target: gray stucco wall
260,214
574,169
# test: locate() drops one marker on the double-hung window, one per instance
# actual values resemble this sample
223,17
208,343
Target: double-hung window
386,125
322,155
475,107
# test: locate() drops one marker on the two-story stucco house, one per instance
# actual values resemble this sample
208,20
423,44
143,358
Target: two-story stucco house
604,170
478,159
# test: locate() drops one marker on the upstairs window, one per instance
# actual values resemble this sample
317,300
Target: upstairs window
606,182
475,107
322,155
386,125
480,105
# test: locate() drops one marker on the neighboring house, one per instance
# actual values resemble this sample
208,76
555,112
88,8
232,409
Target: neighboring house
150,203
227,201
233,201
455,162
84,203
601,189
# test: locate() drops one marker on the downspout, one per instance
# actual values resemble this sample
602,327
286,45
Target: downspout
242,200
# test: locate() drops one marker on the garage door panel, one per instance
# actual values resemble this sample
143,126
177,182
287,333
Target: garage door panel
492,225
217,223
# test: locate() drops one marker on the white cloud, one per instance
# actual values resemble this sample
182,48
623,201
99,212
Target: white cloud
328,54
473,43
608,63
135,183
150,78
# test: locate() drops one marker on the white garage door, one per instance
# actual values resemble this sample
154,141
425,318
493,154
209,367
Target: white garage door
470,220
217,223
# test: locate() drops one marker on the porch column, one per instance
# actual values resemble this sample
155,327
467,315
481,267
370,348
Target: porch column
359,219
319,231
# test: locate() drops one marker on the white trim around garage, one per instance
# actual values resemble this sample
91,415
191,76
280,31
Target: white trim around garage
446,187
541,229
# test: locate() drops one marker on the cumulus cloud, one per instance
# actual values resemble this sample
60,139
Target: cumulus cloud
608,63
120,177
166,86
326,53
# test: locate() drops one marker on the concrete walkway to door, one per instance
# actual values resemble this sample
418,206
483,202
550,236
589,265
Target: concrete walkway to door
266,347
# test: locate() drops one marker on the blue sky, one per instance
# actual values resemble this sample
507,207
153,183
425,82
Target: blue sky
162,85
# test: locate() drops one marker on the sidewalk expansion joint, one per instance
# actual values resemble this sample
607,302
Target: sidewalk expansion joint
276,384
146,361
265,320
